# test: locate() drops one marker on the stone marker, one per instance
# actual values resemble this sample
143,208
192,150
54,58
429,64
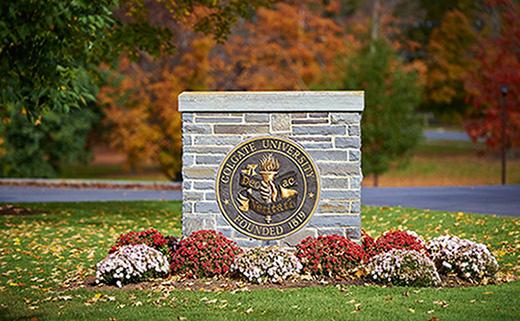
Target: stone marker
271,168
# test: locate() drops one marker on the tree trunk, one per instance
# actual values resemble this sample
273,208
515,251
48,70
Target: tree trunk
376,180
374,32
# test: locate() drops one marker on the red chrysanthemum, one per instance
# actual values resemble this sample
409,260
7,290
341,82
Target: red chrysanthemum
151,237
330,255
399,240
204,253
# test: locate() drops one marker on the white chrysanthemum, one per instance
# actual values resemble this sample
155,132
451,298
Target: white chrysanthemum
267,264
470,260
403,267
130,264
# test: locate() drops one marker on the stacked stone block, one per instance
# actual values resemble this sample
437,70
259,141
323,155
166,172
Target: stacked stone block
332,139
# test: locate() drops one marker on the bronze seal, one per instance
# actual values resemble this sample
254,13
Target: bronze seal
267,187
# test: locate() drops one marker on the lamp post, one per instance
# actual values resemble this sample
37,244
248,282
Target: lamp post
503,138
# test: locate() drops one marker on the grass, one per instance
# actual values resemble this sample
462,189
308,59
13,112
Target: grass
452,163
42,253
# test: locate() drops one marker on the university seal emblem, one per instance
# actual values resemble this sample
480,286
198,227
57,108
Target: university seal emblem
267,187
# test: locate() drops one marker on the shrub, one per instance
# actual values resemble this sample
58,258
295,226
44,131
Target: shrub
131,264
152,238
399,240
267,264
204,254
330,255
403,267
471,261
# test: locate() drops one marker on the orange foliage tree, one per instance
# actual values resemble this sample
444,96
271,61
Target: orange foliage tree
450,58
497,65
141,105
292,45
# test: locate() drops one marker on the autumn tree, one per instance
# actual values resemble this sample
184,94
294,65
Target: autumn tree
292,46
286,47
427,16
141,105
450,58
497,66
442,35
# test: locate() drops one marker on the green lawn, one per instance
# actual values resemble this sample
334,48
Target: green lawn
451,163
41,253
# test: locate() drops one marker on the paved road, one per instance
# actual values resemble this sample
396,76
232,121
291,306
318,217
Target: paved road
445,134
500,200
44,194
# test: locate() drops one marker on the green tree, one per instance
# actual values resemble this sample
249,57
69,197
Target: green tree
50,53
50,50
390,127
28,150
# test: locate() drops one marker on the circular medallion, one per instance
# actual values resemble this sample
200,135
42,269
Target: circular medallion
267,187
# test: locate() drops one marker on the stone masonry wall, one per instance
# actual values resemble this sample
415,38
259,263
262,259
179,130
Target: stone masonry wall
332,139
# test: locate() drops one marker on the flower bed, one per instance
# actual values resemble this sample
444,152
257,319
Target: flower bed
369,244
396,257
398,240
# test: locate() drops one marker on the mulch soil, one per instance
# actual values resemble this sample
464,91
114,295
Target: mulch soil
215,284
236,285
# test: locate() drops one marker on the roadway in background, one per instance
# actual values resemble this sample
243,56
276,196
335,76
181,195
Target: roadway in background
494,199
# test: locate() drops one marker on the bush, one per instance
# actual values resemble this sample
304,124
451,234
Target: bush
469,260
403,267
152,238
131,264
267,264
398,240
204,254
29,150
393,92
330,255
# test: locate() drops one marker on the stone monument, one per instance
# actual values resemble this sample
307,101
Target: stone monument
271,168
